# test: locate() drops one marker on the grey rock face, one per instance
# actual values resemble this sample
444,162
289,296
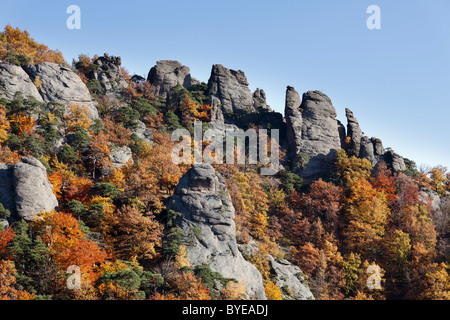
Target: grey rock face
109,75
208,227
320,134
229,93
60,84
397,162
6,190
354,132
167,74
291,279
33,191
259,100
120,157
142,132
294,121
13,79
377,146
367,150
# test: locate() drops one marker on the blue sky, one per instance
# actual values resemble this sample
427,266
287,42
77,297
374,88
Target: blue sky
396,80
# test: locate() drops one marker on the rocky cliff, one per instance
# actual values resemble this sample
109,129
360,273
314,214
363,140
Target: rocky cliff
107,70
167,74
207,222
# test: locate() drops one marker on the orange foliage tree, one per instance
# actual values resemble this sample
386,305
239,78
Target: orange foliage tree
68,245
18,47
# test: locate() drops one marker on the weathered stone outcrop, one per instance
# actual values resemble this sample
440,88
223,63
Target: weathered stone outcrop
142,132
229,93
290,279
14,79
294,122
353,132
167,74
107,70
395,160
25,189
260,100
320,134
60,84
120,157
207,223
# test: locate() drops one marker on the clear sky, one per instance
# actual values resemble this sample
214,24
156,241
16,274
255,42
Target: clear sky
396,80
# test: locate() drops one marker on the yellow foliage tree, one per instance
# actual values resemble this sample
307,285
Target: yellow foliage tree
4,125
77,117
273,292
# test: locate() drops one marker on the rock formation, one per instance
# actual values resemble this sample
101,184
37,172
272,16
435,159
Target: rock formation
25,189
353,132
290,279
259,100
207,222
312,132
294,122
60,84
395,160
120,157
229,93
166,75
108,72
13,79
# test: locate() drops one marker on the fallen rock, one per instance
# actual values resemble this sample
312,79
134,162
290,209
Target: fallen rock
167,74
209,231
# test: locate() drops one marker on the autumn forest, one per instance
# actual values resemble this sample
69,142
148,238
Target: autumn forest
112,222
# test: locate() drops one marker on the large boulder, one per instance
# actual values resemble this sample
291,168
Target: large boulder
167,74
229,93
320,134
32,191
60,84
107,70
120,157
14,79
209,232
